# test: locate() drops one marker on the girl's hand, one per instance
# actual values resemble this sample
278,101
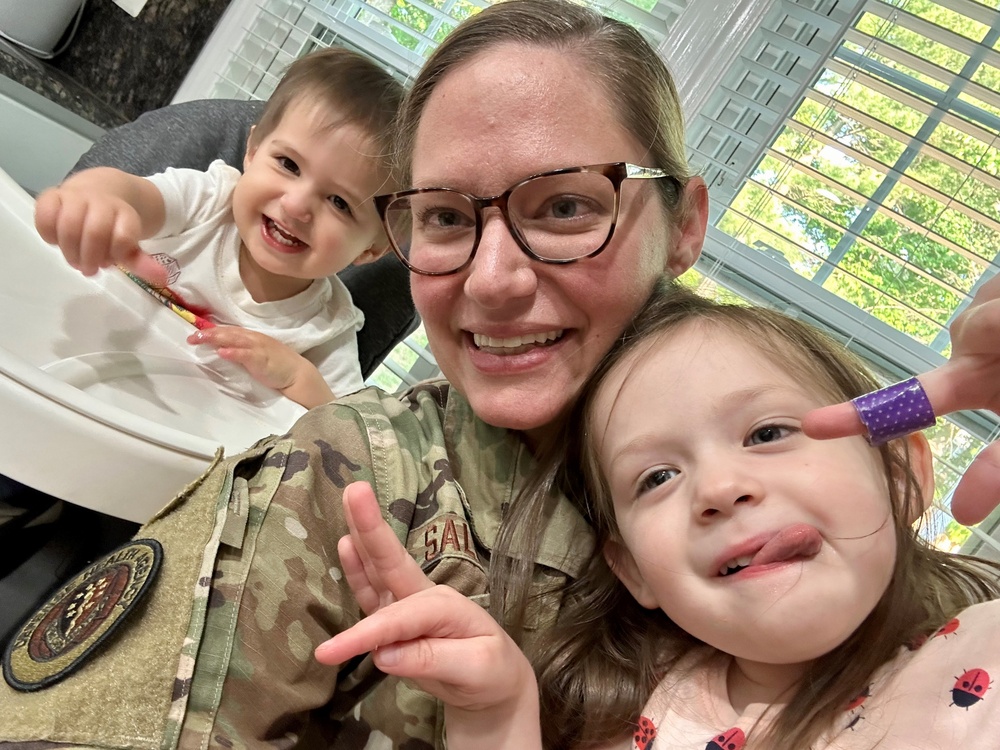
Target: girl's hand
269,362
432,635
969,380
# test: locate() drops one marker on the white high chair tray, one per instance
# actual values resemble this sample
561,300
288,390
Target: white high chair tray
102,401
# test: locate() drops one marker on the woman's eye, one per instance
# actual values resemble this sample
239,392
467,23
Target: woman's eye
340,204
443,218
768,434
288,165
565,208
657,477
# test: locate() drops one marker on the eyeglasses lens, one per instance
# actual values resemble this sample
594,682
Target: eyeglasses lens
559,217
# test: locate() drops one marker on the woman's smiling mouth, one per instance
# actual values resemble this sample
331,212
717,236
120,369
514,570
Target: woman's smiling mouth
515,344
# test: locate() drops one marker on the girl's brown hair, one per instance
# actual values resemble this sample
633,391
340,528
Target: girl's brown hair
633,76
598,666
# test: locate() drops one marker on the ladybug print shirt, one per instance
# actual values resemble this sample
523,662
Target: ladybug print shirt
942,694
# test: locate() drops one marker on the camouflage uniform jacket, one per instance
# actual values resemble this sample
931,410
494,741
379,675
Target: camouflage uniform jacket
220,652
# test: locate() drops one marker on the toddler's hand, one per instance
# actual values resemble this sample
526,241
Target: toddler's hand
269,362
97,218
94,230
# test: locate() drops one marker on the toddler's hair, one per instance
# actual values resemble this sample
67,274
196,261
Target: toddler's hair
354,86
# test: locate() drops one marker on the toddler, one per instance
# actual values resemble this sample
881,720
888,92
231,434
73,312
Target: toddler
257,251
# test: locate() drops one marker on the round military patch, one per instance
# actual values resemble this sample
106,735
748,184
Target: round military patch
57,639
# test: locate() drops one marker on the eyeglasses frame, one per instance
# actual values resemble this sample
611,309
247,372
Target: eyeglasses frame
617,172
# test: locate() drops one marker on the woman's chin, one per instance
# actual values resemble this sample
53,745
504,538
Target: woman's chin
515,408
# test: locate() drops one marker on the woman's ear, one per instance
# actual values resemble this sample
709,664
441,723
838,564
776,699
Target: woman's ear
623,565
922,466
690,235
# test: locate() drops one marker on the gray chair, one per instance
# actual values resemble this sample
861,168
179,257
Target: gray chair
193,134
36,557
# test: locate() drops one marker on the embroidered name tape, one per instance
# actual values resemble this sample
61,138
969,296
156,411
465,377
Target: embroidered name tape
58,638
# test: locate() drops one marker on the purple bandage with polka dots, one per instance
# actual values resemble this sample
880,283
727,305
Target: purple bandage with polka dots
894,411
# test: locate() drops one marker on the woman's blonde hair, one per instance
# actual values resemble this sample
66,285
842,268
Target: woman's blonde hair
598,666
634,78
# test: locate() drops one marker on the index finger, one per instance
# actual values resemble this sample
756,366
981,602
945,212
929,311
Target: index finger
387,564
145,267
839,420
47,207
881,415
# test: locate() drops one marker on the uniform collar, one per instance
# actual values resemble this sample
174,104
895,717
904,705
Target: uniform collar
497,462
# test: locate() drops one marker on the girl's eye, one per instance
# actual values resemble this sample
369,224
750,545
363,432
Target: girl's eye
768,434
339,203
657,477
288,165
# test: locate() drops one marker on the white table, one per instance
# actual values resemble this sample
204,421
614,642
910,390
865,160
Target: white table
102,401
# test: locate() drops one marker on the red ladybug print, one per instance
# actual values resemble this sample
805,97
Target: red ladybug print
948,628
645,733
970,688
854,709
861,698
731,739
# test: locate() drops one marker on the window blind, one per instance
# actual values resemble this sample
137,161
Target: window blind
852,153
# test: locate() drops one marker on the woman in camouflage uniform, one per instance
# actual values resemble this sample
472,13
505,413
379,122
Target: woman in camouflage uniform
219,651
218,648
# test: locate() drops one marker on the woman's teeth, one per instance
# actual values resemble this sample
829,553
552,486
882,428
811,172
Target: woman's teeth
515,342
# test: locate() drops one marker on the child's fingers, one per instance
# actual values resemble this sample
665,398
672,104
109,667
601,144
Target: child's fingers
106,237
978,491
387,563
840,420
229,337
439,612
68,232
368,597
47,214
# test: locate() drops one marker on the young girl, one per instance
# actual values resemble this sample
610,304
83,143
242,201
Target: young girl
757,588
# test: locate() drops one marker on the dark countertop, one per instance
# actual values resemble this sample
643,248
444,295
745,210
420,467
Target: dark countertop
116,66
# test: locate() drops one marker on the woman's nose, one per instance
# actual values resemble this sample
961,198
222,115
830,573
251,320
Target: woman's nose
500,270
